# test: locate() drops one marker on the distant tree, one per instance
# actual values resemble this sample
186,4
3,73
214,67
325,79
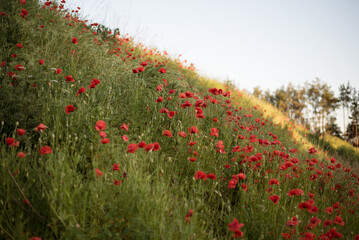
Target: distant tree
354,111
352,134
257,92
344,98
313,95
282,99
230,85
332,128
298,103
322,101
269,97
328,103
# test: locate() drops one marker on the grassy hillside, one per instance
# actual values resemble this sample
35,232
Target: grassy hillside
103,138
327,145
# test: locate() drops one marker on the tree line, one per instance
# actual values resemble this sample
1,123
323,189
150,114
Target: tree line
313,105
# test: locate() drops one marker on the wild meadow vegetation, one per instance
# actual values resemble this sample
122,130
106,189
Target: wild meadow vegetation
103,138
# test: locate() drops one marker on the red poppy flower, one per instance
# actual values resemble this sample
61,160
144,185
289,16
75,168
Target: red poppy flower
74,40
116,167
10,141
214,132
149,147
94,83
329,210
313,177
58,71
274,198
45,150
41,61
23,13
338,220
81,90
241,176
35,238
167,133
211,176
132,147
182,134
100,125
19,45
124,127
156,146
293,222
26,202
159,99
69,109
244,187
19,67
69,78
312,150
295,160
164,110
220,145
186,104
142,144
165,81
232,183
159,87
98,172
171,114
125,138
117,182
273,181
162,70
22,2
191,143
327,223
200,175
235,227
313,209
21,154
41,126
192,130
102,134
182,95
336,205
333,234
192,159
105,140
295,192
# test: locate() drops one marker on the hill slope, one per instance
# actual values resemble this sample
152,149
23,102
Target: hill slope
102,138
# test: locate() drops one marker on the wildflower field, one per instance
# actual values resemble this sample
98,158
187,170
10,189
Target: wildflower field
102,137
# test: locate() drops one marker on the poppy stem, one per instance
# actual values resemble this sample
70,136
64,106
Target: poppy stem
23,195
2,228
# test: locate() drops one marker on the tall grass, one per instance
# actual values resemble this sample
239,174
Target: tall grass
75,191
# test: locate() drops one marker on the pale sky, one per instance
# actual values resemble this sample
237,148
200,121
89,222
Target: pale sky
264,43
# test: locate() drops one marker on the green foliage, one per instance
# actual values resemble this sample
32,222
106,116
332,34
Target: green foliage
70,192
